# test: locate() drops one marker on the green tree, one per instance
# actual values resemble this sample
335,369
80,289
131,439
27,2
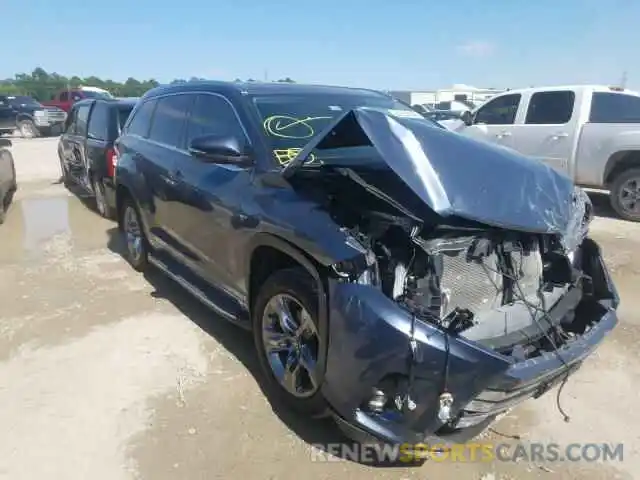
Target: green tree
43,85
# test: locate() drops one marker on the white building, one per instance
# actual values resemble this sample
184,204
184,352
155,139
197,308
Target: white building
458,97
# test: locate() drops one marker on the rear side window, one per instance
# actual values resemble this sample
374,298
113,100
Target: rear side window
141,120
123,115
614,108
82,118
213,115
169,120
550,108
99,124
499,111
70,122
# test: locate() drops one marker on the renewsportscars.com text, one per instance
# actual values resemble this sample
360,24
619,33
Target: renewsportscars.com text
470,452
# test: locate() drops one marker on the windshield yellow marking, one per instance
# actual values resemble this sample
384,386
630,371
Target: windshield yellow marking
286,155
283,126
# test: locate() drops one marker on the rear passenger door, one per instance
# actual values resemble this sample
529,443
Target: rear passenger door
549,129
77,145
7,115
166,147
98,137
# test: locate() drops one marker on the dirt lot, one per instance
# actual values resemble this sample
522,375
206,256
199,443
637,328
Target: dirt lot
106,374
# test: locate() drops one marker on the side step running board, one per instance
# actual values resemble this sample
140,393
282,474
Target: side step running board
192,289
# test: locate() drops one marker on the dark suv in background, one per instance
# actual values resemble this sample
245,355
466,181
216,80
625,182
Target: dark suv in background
406,279
85,149
29,116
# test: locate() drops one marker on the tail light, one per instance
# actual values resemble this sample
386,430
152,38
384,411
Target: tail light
112,161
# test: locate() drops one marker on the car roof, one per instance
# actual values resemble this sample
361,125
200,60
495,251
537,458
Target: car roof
258,88
125,102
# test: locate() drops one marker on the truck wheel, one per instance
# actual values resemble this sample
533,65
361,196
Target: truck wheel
285,332
625,194
28,129
134,237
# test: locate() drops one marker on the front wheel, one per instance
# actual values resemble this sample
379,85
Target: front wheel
625,194
28,129
286,336
134,237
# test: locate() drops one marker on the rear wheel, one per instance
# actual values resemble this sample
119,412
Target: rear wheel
134,237
286,336
625,194
101,198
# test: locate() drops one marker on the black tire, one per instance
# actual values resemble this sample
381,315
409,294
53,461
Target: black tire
102,207
65,178
622,180
3,211
299,285
137,255
28,129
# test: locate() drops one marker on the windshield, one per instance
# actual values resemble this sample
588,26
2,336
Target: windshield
290,121
95,94
23,100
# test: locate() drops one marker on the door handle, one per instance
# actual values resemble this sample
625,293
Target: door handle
558,136
503,134
169,180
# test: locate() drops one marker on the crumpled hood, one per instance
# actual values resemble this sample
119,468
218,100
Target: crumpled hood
458,176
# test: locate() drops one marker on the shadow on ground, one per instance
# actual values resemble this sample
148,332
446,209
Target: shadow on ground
240,344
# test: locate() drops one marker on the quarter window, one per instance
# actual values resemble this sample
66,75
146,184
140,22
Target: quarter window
550,108
169,119
499,111
70,122
614,108
81,120
141,121
99,122
212,115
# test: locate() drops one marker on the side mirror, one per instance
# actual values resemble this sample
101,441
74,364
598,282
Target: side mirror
220,149
467,118
5,142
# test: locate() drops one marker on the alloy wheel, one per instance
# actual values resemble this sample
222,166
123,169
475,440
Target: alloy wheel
27,130
290,340
629,196
101,202
133,233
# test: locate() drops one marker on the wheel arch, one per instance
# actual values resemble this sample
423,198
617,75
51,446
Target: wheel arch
267,251
619,162
23,116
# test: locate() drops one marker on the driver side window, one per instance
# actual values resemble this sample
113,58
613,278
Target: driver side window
499,111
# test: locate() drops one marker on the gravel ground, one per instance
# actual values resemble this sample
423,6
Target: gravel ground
107,374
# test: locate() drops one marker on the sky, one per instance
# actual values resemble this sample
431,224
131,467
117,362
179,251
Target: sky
391,45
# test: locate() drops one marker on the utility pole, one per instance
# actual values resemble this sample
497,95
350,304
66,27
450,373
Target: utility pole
266,75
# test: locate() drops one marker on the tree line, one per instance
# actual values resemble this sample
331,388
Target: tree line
43,85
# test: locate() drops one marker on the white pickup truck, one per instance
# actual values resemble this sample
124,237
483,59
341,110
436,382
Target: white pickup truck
590,133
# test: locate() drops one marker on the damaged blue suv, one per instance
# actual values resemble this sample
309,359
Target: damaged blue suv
410,282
